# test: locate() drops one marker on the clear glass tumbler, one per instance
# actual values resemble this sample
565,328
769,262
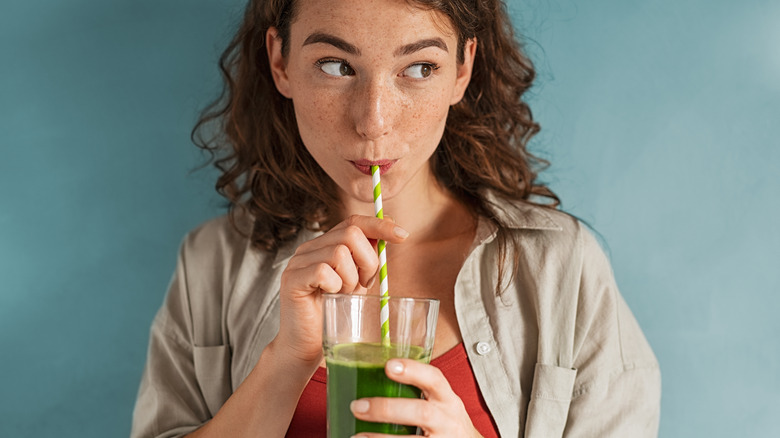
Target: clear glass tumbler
355,354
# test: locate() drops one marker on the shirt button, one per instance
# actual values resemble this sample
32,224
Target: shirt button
483,348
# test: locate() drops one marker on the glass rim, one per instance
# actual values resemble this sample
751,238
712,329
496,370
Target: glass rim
392,298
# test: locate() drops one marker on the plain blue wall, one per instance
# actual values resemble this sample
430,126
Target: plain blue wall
660,118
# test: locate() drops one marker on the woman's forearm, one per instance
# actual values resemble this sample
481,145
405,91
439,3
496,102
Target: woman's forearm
265,402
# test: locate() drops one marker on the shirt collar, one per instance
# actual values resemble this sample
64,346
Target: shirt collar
521,215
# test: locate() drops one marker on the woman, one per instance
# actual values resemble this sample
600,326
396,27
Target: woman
317,91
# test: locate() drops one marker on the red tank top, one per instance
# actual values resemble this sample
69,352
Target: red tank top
309,420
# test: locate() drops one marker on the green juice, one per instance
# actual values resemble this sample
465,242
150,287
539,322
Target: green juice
356,371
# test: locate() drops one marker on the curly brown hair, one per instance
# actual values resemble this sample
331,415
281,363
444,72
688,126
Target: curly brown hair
267,172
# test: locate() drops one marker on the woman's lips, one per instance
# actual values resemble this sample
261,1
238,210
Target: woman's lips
364,166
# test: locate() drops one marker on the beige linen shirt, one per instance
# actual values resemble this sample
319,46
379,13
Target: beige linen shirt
557,354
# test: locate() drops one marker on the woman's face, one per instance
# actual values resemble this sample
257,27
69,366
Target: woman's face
371,82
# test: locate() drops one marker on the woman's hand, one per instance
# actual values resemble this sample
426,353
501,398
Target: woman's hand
343,260
440,414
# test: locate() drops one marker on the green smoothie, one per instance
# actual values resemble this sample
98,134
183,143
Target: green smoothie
356,371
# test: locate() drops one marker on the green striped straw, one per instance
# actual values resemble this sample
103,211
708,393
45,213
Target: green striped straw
384,312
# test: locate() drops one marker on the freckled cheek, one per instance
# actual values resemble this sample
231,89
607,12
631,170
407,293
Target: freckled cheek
318,112
426,116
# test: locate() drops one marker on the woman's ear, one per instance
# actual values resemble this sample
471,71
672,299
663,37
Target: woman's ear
273,44
464,70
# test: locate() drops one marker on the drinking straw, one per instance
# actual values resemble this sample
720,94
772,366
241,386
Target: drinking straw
384,312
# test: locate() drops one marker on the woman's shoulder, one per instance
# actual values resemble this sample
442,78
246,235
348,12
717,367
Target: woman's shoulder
226,241
220,241
216,234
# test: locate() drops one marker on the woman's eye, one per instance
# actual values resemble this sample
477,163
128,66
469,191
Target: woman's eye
336,68
420,71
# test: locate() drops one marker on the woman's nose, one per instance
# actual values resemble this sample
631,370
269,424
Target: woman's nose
372,108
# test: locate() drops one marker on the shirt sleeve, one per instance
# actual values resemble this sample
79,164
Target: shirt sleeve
617,389
170,402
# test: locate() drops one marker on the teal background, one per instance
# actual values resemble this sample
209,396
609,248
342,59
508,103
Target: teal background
660,119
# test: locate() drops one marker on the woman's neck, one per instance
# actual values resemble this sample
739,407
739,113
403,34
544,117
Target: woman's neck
428,211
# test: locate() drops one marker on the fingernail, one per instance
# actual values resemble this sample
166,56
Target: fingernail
371,282
395,366
359,406
400,232
359,436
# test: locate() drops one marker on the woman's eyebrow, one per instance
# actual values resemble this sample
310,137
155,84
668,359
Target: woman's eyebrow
321,37
325,38
422,44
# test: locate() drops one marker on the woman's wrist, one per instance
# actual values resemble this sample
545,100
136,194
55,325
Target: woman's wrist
280,351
